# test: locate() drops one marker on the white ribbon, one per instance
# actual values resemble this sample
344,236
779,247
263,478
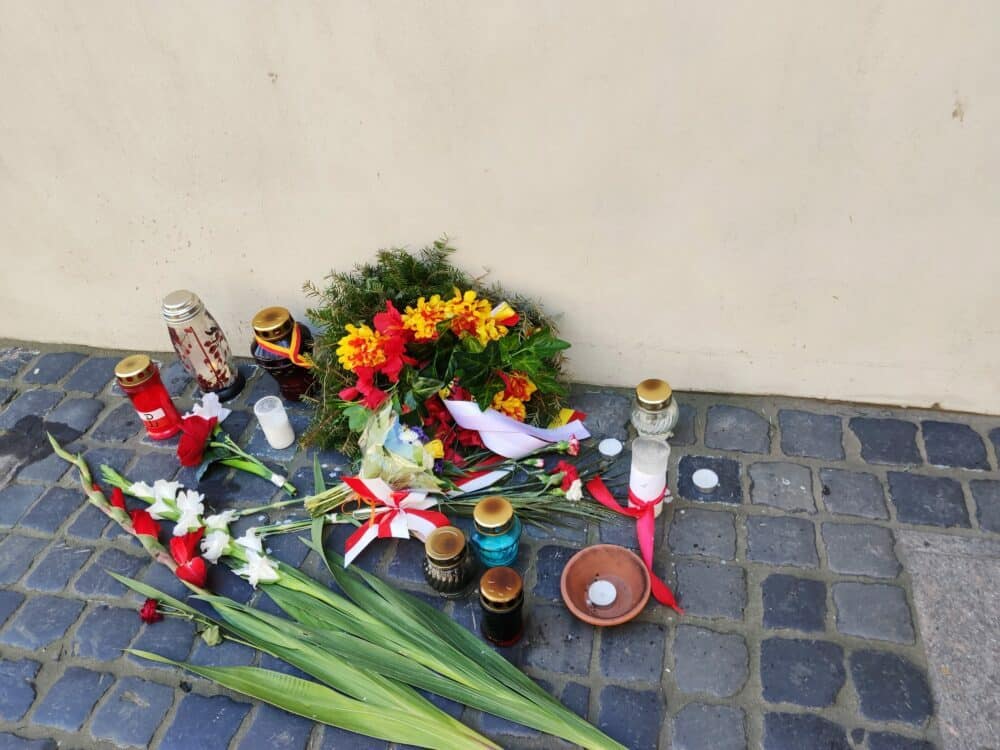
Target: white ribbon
506,436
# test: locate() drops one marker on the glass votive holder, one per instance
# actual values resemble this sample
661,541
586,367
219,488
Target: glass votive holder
648,477
270,412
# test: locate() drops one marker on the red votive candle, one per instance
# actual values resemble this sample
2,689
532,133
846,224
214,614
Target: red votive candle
139,377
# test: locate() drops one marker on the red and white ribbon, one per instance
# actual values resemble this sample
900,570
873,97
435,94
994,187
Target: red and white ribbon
644,513
506,436
397,514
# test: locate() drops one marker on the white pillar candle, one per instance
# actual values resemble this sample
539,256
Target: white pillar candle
274,422
648,477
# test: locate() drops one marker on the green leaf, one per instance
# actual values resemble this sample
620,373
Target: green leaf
357,417
319,484
424,387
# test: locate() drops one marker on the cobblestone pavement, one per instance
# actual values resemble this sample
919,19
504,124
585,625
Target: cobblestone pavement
800,629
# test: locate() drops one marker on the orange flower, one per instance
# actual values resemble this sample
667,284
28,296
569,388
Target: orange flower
512,407
361,347
424,318
518,385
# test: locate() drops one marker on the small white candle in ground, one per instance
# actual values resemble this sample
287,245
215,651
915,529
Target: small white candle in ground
602,593
274,422
705,480
609,447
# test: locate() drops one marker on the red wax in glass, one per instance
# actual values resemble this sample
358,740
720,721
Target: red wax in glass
153,405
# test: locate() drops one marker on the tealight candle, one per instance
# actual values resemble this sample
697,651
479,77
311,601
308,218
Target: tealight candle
610,447
705,480
274,422
602,593
648,478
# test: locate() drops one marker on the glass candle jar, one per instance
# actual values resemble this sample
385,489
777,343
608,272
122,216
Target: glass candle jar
497,531
449,567
282,348
139,377
648,475
201,345
501,598
655,413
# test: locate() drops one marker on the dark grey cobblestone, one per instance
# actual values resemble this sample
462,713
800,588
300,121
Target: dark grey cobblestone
17,687
274,729
729,489
782,485
105,632
782,541
56,568
15,499
712,590
199,717
803,672
132,712
876,611
890,741
77,413
16,555
951,444
733,428
13,360
36,402
10,741
68,703
709,662
95,580
633,652
51,511
812,435
887,441
93,375
861,549
121,424
793,603
700,726
40,621
622,726
853,493
800,731
171,638
986,493
51,368
932,501
9,602
890,688
702,532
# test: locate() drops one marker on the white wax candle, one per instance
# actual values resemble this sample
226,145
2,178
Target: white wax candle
274,422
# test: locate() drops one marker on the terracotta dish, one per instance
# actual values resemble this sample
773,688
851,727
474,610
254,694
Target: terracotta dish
616,565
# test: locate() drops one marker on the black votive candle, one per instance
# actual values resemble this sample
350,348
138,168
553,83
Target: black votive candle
501,598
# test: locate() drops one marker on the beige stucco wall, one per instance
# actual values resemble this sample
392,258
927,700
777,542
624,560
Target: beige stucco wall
789,197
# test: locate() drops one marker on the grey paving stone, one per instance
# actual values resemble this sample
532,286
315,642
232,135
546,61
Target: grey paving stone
782,541
995,439
51,368
121,424
709,662
782,485
549,563
51,468
10,741
887,441
794,603
105,632
171,637
803,672
556,641
59,565
814,435
861,549
40,621
621,724
15,499
341,739
152,466
684,430
16,555
890,741
225,654
258,445
274,729
17,687
875,611
132,712
633,652
851,493
290,548
224,582
890,688
694,531
199,717
68,703
88,524
405,564
711,590
800,731
986,493
733,428
498,728
9,602
116,458
729,490
699,726
95,580
12,359
77,413
953,444
174,377
6,394
92,375
857,736
161,578
931,501
576,698
607,413
52,510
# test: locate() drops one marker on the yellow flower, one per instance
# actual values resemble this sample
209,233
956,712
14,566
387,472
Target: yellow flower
473,316
361,347
424,318
435,449
512,407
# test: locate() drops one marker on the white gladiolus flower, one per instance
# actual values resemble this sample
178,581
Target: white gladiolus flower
214,545
190,507
220,521
258,569
143,490
251,541
575,491
209,407
162,489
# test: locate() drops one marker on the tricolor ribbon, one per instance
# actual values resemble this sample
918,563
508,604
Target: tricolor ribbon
644,514
292,351
394,514
506,436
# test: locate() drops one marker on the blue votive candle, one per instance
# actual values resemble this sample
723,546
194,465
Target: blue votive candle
498,530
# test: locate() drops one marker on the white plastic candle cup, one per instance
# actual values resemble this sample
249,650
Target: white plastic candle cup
602,593
274,421
705,480
648,479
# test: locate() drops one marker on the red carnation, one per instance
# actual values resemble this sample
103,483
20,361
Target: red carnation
195,432
148,612
118,498
570,474
144,524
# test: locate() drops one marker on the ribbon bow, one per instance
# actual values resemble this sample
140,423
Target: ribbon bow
506,436
645,516
292,351
394,514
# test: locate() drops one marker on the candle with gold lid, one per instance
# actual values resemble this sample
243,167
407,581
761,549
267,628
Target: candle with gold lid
449,568
497,531
501,598
283,348
201,345
655,413
139,378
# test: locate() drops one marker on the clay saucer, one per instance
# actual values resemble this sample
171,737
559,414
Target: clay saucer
612,564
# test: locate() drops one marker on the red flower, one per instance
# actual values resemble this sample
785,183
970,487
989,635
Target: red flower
574,446
118,498
144,524
194,572
184,550
570,474
195,432
148,612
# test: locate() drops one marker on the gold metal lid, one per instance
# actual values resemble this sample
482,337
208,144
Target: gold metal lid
181,305
272,323
500,585
444,544
493,512
653,392
135,369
